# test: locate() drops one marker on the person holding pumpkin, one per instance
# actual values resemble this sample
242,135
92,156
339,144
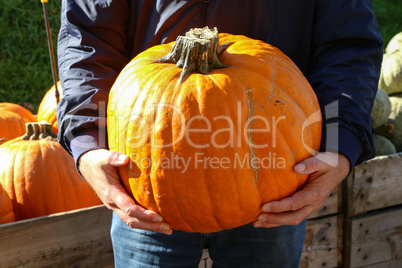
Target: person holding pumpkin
337,46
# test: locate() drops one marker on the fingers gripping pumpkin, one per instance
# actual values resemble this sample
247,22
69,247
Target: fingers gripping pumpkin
213,131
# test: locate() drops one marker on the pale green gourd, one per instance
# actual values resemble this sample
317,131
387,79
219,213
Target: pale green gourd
391,73
395,43
383,146
381,108
392,129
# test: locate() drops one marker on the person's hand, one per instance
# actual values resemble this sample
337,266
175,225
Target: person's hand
326,170
99,168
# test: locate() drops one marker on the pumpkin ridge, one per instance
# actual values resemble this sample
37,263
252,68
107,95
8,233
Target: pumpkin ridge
19,196
243,215
276,182
280,136
41,150
6,208
204,190
295,107
233,113
153,177
179,210
10,185
60,170
240,96
290,151
244,93
250,135
206,183
26,166
134,108
240,216
285,67
250,115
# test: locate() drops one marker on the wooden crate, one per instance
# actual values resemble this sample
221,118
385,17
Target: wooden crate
79,238
373,214
374,184
323,243
374,239
333,204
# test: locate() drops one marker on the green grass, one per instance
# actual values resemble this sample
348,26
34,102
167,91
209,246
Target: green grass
25,72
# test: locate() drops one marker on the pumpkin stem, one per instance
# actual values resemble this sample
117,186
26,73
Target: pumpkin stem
197,51
39,131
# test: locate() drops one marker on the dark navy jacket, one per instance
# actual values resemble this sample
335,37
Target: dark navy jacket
335,43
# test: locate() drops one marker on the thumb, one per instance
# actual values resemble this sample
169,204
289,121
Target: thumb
117,159
309,165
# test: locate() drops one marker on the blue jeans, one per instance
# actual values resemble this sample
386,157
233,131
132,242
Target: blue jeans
244,246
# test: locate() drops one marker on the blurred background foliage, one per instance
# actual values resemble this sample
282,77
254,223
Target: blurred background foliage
25,70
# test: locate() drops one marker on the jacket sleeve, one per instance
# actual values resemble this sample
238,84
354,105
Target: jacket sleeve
344,71
91,53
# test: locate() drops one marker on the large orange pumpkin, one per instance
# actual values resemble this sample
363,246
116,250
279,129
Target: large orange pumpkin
208,149
47,107
6,207
13,118
40,176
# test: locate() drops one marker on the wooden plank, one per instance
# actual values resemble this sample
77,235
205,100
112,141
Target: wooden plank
374,239
374,184
79,238
333,204
388,264
323,243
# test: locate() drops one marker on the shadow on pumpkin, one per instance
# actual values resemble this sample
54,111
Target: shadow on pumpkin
129,171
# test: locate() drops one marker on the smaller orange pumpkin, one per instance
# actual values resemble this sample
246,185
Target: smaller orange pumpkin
13,118
40,176
15,108
47,107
